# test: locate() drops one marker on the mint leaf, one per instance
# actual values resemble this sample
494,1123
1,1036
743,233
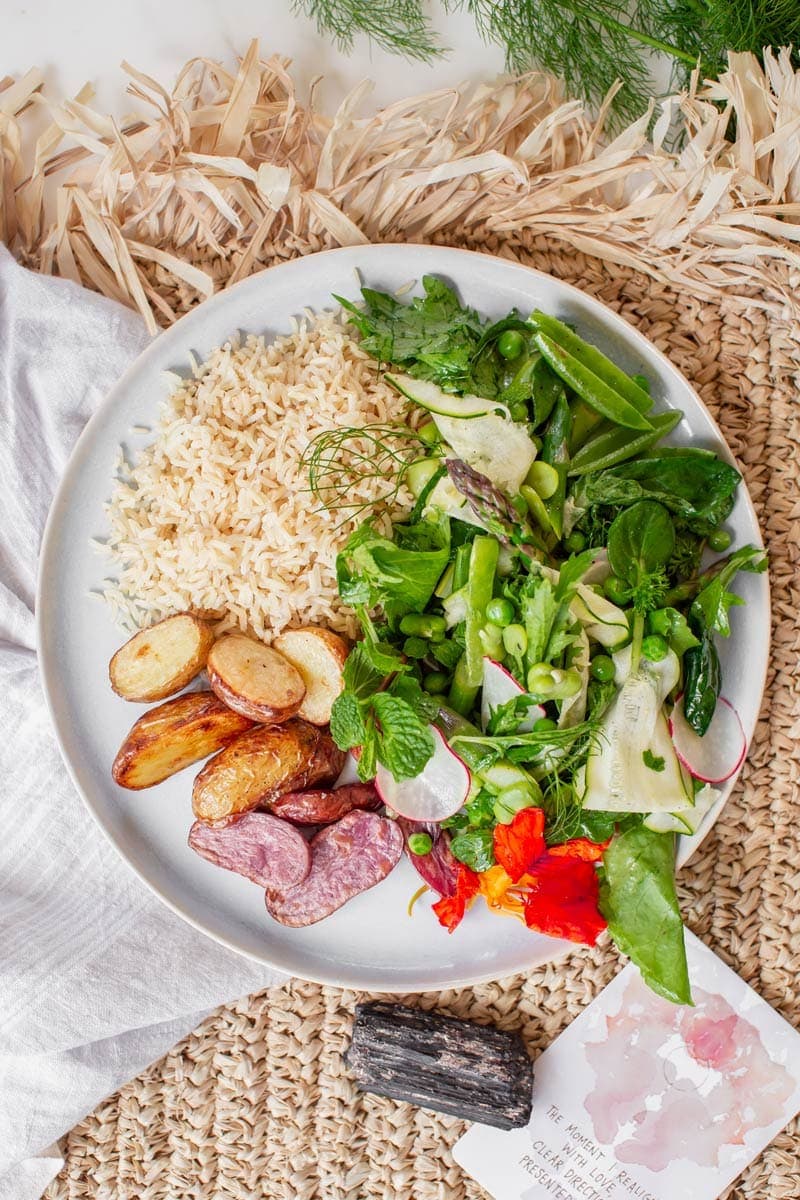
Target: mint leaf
361,676
347,722
405,743
407,688
367,762
654,762
474,848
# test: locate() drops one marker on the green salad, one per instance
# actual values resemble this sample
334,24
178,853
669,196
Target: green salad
538,691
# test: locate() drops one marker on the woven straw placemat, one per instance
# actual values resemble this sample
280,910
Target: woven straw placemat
257,1101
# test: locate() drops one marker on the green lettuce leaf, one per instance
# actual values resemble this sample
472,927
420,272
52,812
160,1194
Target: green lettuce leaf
638,899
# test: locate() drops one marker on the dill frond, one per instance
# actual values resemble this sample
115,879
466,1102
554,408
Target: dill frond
338,461
399,26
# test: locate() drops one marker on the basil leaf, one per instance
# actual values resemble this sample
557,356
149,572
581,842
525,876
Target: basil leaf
405,743
653,761
638,899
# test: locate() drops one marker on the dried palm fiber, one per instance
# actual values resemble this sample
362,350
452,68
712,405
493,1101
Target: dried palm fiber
225,174
696,249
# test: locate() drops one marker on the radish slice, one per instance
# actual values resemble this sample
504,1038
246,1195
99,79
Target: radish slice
500,686
437,793
720,752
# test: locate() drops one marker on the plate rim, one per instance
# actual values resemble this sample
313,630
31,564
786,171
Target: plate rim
346,977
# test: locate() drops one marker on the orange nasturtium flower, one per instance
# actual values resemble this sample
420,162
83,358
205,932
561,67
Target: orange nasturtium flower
555,890
450,909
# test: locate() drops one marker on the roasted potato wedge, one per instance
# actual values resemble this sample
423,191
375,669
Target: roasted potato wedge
262,765
161,660
173,736
254,680
319,655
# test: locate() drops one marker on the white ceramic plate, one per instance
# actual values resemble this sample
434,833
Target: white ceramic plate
371,942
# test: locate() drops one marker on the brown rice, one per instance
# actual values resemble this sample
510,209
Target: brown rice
216,515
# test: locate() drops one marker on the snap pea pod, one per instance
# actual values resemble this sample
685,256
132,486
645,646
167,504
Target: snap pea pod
702,680
593,390
592,358
555,451
482,567
585,422
617,445
546,387
462,693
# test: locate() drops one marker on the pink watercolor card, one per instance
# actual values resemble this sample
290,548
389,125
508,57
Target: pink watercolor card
641,1099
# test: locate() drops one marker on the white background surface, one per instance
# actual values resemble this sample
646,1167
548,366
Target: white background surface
75,41
79,41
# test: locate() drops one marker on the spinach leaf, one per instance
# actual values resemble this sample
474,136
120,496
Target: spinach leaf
640,542
712,603
638,899
693,484
399,575
702,681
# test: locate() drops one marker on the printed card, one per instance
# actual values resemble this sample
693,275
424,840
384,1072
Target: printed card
640,1099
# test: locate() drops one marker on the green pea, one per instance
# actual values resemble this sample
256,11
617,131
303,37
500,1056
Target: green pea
500,611
436,681
654,647
540,679
515,640
415,647
428,433
543,479
602,668
510,344
424,625
616,589
575,542
719,540
420,843
544,725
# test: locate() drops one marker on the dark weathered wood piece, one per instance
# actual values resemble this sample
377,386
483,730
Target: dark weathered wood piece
472,1071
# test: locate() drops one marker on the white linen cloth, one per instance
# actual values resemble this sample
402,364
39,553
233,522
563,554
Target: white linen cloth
97,978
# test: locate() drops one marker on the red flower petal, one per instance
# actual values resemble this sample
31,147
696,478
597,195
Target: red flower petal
563,898
450,909
518,845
